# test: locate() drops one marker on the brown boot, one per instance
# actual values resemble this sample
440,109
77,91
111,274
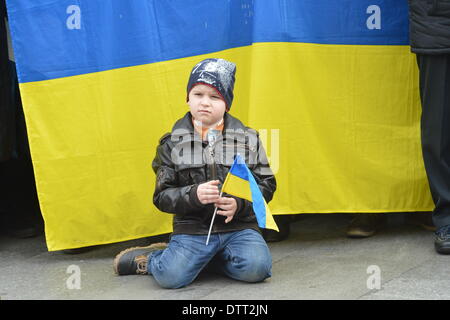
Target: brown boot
134,260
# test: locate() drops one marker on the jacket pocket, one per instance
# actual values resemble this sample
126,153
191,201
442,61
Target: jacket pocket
439,8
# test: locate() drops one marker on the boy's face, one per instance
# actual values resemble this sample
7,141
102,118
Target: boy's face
206,105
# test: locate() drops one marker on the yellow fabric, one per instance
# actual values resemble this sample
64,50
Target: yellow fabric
270,221
347,118
237,187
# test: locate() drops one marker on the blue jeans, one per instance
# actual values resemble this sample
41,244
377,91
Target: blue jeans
241,255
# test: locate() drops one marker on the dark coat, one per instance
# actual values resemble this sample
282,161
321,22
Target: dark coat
429,26
13,132
7,116
183,161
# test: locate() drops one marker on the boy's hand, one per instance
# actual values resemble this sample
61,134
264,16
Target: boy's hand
228,207
208,192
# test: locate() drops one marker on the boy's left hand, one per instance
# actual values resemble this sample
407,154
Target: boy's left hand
227,207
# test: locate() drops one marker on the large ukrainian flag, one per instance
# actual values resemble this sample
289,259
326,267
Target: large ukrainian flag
333,82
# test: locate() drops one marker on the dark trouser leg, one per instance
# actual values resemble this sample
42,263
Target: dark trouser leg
23,214
435,130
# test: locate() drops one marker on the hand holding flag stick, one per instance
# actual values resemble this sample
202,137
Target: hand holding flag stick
240,183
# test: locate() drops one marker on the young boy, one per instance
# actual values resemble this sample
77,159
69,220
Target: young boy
190,164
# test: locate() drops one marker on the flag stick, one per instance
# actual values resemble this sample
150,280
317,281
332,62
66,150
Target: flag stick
215,210
212,221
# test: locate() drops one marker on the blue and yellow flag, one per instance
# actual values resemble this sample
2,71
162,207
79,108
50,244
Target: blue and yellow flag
240,183
331,86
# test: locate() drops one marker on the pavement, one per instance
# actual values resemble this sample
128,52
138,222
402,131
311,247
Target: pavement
317,261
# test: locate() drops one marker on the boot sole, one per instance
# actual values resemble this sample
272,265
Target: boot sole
155,246
442,249
360,234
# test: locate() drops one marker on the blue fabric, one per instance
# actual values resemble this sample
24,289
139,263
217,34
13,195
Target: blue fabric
240,169
55,39
241,255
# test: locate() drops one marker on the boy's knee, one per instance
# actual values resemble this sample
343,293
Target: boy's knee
256,271
171,281
260,272
173,276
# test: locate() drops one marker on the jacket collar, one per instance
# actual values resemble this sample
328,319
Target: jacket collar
184,125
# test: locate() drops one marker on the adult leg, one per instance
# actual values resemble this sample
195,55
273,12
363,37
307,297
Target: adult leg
244,256
23,214
435,130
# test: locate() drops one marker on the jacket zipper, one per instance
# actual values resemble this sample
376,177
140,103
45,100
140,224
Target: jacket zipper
212,164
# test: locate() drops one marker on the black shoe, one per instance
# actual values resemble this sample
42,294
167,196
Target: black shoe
442,240
423,220
284,225
135,260
365,225
22,228
24,232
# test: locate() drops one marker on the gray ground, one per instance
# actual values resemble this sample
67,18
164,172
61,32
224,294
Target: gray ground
316,262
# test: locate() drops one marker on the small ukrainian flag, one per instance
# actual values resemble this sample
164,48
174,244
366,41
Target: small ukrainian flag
240,183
